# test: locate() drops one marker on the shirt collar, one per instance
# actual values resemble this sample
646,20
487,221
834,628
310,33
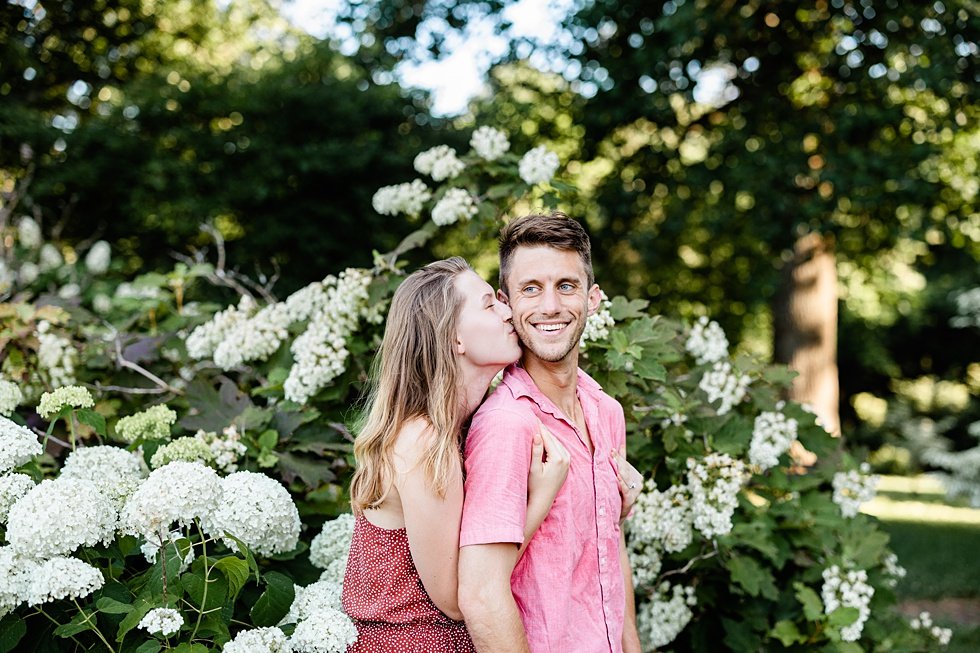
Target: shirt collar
521,384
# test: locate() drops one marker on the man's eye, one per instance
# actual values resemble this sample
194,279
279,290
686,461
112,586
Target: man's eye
530,290
566,287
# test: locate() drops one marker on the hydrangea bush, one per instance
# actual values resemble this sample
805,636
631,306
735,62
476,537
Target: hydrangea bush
173,471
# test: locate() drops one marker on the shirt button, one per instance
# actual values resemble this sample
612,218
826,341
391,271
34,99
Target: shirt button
602,511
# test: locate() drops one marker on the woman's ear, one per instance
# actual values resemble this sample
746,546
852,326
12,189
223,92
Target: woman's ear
460,347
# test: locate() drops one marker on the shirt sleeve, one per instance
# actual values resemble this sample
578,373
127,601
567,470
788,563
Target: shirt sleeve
498,456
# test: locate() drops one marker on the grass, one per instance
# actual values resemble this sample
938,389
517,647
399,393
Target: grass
937,541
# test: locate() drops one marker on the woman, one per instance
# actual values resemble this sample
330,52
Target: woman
445,339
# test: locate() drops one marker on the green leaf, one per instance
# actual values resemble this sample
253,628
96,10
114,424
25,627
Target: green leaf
752,577
112,606
247,554
740,637
83,621
843,616
812,605
648,367
787,633
206,593
93,419
312,471
149,646
268,439
235,571
12,629
187,647
272,606
624,309
131,620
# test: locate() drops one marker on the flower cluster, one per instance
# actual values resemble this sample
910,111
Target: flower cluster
456,204
439,162
259,640
320,353
598,324
772,435
188,449
329,549
55,355
176,493
893,571
12,488
29,233
113,471
16,570
666,615
325,631
225,449
407,198
924,622
204,339
74,396
165,621
59,515
853,488
62,578
10,397
723,382
313,598
662,518
714,483
489,144
254,338
50,258
538,166
17,445
849,590
707,342
98,257
151,424
258,510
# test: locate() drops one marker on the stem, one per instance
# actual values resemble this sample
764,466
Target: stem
71,427
204,595
95,626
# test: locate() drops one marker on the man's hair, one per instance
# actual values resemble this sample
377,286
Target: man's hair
555,230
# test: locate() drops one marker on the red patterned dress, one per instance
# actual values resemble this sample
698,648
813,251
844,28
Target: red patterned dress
384,596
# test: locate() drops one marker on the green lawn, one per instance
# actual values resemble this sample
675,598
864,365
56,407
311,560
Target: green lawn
938,543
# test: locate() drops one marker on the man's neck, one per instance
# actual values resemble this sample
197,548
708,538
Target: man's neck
557,381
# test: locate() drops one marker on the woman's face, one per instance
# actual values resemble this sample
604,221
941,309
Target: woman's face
484,333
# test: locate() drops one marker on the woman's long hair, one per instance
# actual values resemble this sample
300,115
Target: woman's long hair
414,375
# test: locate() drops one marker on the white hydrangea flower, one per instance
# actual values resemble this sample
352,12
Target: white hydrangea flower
313,598
17,445
924,622
329,549
320,353
151,424
439,162
259,640
707,342
204,339
73,395
407,198
165,621
854,488
176,493
28,273
16,570
257,510
113,470
98,257
598,324
12,488
29,233
102,304
225,449
538,166
63,578
489,144
660,621
326,631
188,449
59,515
714,483
851,590
50,258
772,435
55,355
725,383
663,518
254,338
893,570
456,204
69,291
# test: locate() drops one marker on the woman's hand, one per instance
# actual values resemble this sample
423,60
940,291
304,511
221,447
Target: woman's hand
630,481
549,467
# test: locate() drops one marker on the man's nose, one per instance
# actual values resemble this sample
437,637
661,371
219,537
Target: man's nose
550,302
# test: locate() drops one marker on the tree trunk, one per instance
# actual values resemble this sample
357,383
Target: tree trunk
805,326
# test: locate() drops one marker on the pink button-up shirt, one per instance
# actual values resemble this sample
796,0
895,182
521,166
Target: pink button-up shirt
568,584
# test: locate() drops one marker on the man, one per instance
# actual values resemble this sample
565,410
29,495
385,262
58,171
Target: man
571,591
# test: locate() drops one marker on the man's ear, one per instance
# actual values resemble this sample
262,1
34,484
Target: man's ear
502,297
595,298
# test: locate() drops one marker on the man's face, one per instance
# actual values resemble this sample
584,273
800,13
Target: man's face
548,293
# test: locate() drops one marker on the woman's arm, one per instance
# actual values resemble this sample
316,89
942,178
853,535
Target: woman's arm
549,467
431,522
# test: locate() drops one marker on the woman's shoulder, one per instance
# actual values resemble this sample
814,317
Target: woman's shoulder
412,440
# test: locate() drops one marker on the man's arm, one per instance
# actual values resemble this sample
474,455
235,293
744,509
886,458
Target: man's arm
631,640
486,601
